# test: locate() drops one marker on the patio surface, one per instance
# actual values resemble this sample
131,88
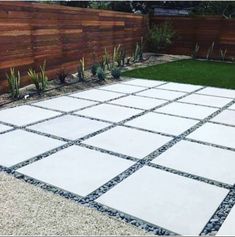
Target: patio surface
158,155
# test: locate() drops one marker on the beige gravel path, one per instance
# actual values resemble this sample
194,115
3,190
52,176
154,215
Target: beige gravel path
28,210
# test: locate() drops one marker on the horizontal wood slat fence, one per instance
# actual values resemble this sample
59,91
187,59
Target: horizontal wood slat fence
201,30
33,32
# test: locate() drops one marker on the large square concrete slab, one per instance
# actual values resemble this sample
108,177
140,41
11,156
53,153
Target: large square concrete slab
187,110
162,123
109,112
65,103
161,94
176,203
138,102
122,88
232,107
180,87
18,145
228,227
227,117
216,134
206,100
77,169
98,95
206,161
25,114
128,141
218,92
143,82
4,128
70,127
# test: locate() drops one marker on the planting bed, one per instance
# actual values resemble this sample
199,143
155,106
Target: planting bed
55,87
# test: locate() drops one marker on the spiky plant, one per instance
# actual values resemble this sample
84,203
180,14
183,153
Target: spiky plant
123,57
81,69
40,79
195,51
117,55
223,54
210,50
102,64
34,78
136,53
141,49
14,83
43,77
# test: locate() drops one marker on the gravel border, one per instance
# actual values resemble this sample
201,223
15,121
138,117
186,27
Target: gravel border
29,210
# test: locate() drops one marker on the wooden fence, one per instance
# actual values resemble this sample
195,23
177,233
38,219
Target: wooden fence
201,30
33,32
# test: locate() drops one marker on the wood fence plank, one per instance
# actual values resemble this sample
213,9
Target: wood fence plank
33,32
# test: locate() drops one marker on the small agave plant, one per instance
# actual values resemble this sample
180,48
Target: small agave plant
116,72
40,79
13,79
100,74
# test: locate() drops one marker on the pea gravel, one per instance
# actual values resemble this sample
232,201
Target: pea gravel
29,210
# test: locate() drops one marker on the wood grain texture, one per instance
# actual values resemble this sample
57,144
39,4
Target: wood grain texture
33,32
201,30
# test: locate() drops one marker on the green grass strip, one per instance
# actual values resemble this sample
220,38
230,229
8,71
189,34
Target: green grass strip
208,73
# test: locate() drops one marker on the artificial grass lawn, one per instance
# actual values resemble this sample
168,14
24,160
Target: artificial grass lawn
208,73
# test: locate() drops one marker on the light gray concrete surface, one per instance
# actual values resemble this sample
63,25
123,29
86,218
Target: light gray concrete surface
206,100
198,159
187,200
98,95
109,112
67,126
218,92
161,94
25,114
77,169
179,87
153,121
216,134
19,145
187,110
110,140
179,200
64,103
28,210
